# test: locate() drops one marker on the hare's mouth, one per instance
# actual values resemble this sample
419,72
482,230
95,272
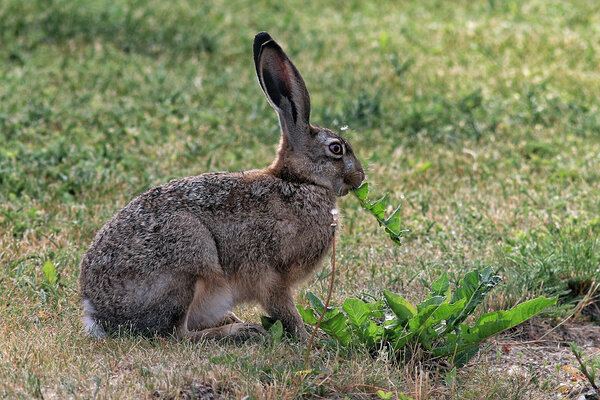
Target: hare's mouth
344,190
351,181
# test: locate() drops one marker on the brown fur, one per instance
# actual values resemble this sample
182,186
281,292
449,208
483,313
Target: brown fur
178,257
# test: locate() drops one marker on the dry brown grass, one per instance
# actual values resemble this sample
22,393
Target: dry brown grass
96,107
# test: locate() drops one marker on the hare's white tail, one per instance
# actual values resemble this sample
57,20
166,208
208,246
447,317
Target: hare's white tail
90,325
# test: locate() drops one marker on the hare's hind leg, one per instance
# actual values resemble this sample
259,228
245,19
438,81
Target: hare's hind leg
210,305
237,331
209,316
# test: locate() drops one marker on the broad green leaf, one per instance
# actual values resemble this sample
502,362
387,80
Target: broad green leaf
392,226
376,309
50,272
491,324
475,281
401,307
431,301
337,328
447,310
393,221
362,192
466,286
315,302
473,287
402,339
378,208
357,311
307,314
374,332
425,310
440,286
384,395
311,316
440,314
276,332
267,322
425,319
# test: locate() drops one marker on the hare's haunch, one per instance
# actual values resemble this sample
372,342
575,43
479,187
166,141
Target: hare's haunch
178,257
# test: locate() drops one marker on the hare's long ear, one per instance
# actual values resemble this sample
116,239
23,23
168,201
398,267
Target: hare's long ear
283,85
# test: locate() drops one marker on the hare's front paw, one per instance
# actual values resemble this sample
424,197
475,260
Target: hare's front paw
237,331
243,331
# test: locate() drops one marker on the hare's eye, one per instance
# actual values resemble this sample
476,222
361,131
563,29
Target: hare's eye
335,148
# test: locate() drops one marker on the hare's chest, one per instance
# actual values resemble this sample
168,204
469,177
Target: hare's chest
304,241
303,235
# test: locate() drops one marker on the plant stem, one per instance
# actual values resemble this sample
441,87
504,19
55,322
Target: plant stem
584,369
312,336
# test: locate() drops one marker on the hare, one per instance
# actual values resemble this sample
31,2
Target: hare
178,257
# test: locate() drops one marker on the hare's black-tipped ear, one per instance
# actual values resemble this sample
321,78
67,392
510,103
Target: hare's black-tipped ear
282,83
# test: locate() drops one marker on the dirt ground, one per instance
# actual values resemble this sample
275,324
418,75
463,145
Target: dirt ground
537,358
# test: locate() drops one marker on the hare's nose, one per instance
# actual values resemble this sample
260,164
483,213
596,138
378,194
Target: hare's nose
355,178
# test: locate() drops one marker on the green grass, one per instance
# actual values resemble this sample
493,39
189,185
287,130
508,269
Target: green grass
482,119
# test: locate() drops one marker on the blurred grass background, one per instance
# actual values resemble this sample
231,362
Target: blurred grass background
480,118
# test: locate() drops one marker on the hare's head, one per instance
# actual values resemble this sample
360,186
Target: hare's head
307,153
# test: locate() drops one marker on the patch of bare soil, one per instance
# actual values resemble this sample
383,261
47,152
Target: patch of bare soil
537,356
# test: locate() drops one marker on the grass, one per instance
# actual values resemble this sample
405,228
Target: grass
480,118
